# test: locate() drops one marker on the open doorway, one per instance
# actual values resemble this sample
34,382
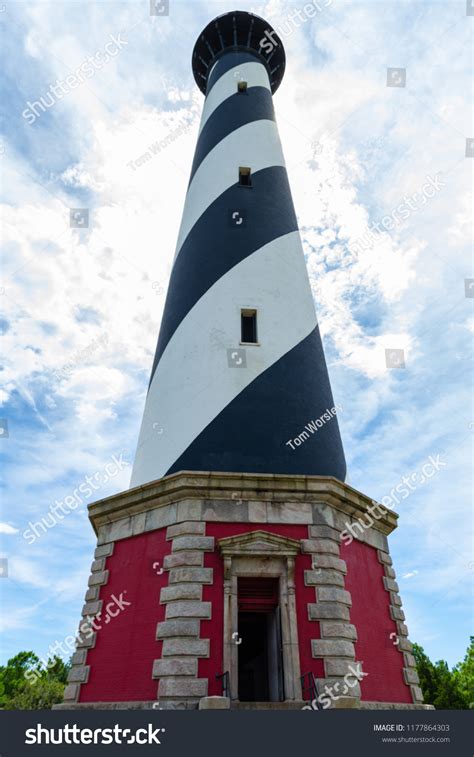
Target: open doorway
260,664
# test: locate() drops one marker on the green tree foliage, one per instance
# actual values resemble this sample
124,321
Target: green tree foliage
446,689
464,673
25,684
40,695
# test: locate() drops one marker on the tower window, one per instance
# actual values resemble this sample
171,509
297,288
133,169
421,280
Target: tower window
248,323
242,87
245,178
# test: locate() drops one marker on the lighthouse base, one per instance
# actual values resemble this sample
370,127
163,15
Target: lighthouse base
263,591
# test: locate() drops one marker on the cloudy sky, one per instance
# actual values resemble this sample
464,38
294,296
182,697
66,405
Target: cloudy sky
81,307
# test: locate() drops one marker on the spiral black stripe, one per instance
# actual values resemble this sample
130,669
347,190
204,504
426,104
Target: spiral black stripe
230,60
250,434
237,110
214,246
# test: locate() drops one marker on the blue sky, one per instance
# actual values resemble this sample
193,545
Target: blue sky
81,307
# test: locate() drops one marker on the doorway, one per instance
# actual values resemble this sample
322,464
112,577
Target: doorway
260,658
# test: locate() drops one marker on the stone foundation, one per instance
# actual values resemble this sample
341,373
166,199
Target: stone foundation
184,508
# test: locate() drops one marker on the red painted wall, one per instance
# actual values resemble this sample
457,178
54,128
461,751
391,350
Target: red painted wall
122,660
213,629
371,616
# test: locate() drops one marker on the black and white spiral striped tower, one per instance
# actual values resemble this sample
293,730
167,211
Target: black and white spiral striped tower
239,368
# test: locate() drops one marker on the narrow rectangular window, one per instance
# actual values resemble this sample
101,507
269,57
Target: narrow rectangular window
245,178
242,87
248,321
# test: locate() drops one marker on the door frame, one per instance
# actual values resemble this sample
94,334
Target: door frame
256,554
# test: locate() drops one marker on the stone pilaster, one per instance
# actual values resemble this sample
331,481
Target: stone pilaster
337,636
177,670
402,643
86,637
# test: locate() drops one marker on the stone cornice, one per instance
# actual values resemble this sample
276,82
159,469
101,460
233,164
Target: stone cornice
237,487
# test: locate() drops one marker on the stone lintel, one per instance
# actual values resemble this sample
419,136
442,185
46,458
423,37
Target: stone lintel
259,543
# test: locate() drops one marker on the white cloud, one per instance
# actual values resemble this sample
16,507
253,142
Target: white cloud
5,528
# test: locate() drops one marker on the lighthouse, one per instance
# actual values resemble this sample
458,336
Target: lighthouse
240,570
239,371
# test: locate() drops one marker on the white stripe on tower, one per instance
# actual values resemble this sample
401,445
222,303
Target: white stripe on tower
184,397
253,73
256,144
